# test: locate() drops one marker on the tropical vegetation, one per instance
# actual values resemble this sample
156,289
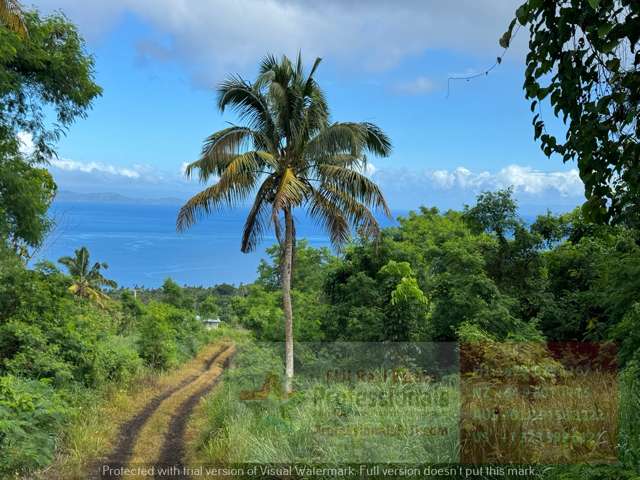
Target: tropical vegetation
88,281
542,314
584,60
515,294
289,155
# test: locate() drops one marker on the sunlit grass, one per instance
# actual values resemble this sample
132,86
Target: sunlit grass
573,419
92,433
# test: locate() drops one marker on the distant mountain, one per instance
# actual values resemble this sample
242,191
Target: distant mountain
109,197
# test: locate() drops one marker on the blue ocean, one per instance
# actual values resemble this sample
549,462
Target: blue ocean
142,248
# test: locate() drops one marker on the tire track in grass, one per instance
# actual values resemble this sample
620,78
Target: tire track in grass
173,450
130,430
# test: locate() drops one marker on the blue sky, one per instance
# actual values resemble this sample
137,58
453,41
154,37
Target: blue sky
386,62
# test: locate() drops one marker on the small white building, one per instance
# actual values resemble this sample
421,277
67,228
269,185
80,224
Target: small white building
211,323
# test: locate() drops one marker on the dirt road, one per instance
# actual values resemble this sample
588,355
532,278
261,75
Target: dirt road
154,436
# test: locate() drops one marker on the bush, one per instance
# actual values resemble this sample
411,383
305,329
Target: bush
28,352
156,343
513,362
30,415
181,329
115,360
627,334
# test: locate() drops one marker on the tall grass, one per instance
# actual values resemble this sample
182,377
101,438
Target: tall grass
373,420
579,424
573,421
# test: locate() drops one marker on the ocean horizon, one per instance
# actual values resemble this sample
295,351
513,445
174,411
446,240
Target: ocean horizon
140,243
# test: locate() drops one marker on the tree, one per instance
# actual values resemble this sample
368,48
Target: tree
407,307
309,268
48,73
11,16
584,60
87,281
46,82
550,228
25,195
289,155
174,294
494,212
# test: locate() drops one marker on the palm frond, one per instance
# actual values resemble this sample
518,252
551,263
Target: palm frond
312,117
235,184
268,64
290,191
218,151
336,139
356,213
258,216
83,260
310,83
327,213
250,104
299,66
106,282
268,159
375,140
351,138
354,183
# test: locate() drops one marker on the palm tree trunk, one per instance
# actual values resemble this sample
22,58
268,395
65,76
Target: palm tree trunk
287,270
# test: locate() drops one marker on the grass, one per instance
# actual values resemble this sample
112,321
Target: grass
573,421
151,439
93,432
568,426
377,420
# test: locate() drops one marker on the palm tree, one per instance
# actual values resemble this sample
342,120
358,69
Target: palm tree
87,281
11,16
288,155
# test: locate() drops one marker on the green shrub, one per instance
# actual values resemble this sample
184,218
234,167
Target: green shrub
508,361
627,334
30,415
115,360
189,333
28,352
181,329
156,343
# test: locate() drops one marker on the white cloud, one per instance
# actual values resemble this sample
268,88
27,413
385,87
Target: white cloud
523,179
58,164
136,181
531,181
212,37
27,147
93,167
418,86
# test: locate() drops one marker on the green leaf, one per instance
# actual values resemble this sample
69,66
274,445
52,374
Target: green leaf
522,13
594,4
604,29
